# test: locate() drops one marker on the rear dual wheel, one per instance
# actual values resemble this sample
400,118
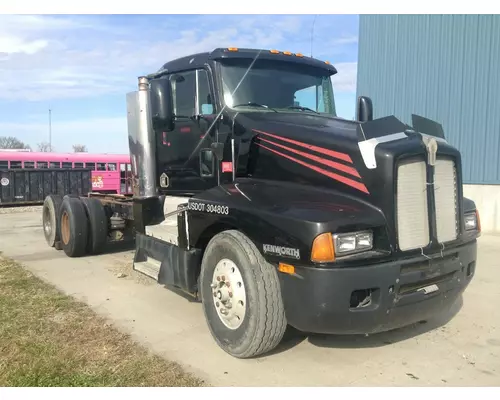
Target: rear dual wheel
51,219
84,226
241,296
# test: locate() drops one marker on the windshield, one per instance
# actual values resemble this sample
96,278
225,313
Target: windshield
277,86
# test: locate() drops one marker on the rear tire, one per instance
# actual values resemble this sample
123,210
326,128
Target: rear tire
74,227
259,326
51,219
98,225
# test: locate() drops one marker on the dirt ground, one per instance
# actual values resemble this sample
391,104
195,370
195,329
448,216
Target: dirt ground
458,349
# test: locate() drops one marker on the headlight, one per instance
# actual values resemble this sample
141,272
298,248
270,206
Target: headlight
470,221
355,242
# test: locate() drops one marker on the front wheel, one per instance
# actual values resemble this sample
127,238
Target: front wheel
241,296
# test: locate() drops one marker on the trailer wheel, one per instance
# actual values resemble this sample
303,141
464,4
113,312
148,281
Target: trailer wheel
241,296
74,227
51,219
98,225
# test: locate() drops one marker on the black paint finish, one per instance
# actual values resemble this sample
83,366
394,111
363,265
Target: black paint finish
179,268
319,300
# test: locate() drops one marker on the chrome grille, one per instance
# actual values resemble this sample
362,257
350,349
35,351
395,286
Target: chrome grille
411,205
445,192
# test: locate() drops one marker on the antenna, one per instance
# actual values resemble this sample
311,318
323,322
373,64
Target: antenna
312,34
50,129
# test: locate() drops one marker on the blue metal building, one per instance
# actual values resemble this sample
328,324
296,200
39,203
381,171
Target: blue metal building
447,68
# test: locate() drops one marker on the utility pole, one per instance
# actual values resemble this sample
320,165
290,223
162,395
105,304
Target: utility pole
50,129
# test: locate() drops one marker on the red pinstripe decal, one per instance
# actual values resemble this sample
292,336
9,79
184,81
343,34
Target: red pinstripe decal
333,164
343,179
331,153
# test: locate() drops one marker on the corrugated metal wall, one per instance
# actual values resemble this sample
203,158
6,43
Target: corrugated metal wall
446,68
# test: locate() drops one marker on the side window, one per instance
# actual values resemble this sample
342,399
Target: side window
204,99
307,98
4,164
101,166
183,93
67,165
78,165
90,165
16,164
55,164
29,164
111,166
42,164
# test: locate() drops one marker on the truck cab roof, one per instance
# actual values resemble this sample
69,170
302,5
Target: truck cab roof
198,60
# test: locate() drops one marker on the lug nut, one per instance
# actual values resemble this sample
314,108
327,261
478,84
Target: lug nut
218,278
217,304
230,294
228,284
215,294
223,278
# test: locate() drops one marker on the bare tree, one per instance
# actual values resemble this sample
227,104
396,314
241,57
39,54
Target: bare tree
45,147
10,142
79,148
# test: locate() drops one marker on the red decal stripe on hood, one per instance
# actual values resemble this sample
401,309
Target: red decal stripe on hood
333,164
331,153
357,185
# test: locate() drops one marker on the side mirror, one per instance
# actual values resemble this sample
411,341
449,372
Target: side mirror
364,109
161,104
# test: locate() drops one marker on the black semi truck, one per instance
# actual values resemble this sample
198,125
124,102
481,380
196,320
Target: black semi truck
253,197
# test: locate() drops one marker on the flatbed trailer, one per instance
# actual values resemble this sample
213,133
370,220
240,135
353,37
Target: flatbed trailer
253,197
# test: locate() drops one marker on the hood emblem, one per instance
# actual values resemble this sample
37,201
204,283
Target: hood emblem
431,145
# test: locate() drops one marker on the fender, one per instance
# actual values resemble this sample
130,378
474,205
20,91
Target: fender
281,218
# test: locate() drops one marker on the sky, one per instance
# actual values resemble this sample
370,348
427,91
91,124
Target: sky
82,66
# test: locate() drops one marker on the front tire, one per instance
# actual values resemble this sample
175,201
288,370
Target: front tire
236,279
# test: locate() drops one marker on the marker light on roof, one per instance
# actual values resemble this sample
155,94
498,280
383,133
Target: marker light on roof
287,53
232,48
274,51
299,55
327,62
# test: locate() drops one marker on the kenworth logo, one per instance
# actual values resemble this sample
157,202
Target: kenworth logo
282,251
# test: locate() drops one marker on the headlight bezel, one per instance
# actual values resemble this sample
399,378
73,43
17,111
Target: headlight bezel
358,236
473,216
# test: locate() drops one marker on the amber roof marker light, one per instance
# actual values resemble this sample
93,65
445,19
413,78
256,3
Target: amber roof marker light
232,48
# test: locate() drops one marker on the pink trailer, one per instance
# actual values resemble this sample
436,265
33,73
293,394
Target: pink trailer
111,173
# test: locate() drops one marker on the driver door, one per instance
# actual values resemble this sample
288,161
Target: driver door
179,150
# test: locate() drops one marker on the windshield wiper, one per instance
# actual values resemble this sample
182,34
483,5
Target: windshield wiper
253,104
302,109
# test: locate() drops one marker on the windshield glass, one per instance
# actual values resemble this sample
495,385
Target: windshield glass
277,86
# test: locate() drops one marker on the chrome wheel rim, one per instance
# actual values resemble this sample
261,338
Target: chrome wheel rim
228,290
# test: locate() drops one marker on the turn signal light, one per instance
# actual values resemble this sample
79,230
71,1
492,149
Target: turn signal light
322,248
286,268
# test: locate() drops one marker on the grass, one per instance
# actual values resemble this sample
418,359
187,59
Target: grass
50,339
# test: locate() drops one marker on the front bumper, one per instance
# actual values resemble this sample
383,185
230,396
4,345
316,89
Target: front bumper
321,300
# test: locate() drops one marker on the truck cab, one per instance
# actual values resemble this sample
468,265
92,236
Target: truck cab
252,196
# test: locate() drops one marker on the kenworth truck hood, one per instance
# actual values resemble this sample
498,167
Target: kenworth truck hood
357,160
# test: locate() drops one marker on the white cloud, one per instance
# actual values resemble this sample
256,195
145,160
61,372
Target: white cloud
72,57
345,79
